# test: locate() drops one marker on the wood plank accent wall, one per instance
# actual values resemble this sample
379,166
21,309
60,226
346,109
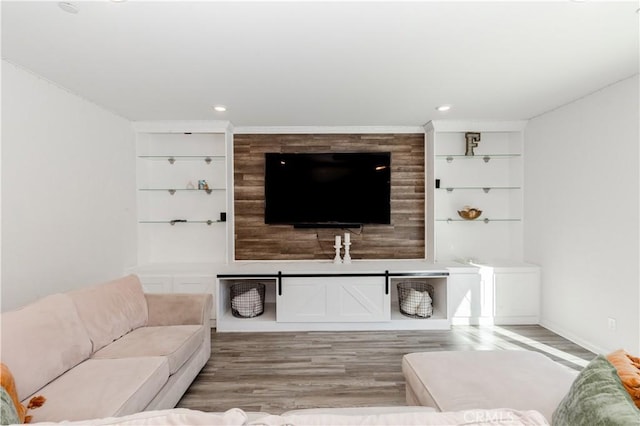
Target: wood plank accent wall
403,239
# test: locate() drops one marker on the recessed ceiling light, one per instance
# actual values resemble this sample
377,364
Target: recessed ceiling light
68,7
220,108
443,108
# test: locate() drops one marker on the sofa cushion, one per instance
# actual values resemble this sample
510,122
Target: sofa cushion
42,340
111,310
103,387
597,397
461,380
176,342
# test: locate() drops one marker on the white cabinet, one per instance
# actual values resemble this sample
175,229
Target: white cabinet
180,284
333,299
179,278
182,174
318,296
466,298
491,180
156,283
500,293
517,295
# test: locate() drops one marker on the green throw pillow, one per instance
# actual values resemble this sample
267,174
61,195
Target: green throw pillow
597,397
8,413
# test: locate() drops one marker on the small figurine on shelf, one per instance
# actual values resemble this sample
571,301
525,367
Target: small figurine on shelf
202,184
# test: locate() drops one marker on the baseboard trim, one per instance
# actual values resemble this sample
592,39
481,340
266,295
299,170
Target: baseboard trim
570,336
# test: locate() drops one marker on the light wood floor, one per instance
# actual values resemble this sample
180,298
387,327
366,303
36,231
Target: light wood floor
277,372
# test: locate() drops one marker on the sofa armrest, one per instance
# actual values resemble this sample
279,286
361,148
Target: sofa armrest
179,309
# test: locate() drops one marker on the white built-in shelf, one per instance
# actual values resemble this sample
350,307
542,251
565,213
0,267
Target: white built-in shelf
490,180
267,316
396,315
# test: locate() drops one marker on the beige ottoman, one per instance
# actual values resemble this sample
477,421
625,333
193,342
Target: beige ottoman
457,380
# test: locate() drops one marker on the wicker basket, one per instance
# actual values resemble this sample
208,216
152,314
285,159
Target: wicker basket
415,299
247,299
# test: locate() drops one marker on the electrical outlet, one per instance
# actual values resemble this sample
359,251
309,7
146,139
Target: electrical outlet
611,323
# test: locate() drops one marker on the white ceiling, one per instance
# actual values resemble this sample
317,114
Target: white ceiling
325,63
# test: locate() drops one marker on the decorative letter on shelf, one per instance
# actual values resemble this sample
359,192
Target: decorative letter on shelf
472,141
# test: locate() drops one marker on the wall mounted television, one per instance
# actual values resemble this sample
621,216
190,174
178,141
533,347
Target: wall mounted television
328,189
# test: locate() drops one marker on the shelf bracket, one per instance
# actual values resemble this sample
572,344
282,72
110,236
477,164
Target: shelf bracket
171,191
486,158
209,222
486,190
208,191
207,160
449,220
486,220
449,189
449,159
171,160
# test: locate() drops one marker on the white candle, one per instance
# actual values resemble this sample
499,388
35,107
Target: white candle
347,238
337,240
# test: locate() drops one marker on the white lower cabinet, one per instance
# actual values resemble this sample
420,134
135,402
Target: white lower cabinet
326,297
517,296
465,298
156,283
498,293
180,284
334,299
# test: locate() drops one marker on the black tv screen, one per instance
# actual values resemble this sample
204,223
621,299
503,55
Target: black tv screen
328,189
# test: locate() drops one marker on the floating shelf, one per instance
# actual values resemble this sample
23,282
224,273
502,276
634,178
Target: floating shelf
485,158
173,191
485,220
173,158
485,189
181,221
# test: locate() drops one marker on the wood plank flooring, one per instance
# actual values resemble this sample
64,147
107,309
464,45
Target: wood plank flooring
277,372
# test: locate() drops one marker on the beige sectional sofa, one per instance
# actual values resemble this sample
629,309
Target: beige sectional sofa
106,350
368,416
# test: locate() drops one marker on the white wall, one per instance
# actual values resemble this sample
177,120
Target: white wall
582,204
68,190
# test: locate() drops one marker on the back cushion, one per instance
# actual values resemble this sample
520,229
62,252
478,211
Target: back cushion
111,310
41,341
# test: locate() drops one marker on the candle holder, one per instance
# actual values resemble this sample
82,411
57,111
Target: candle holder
337,259
347,256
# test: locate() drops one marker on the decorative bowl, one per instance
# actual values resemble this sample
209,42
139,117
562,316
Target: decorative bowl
469,213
